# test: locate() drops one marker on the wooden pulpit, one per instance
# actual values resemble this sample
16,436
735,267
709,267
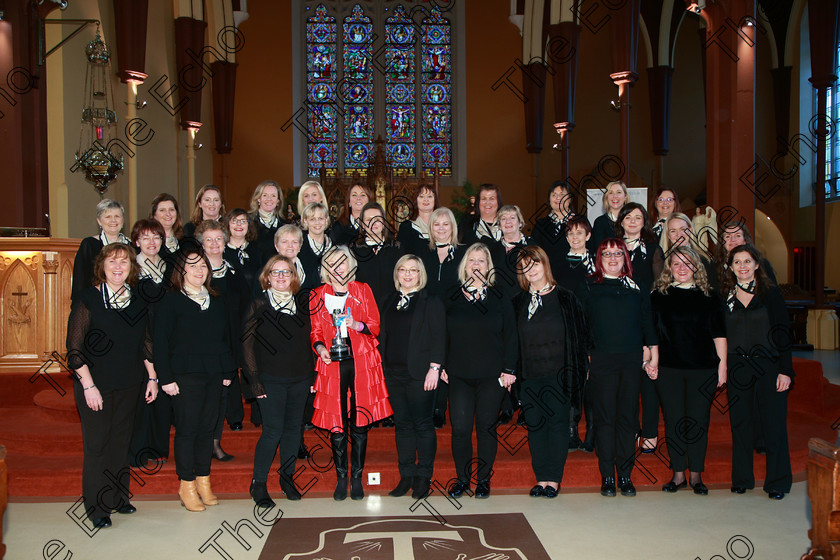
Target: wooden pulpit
35,278
824,494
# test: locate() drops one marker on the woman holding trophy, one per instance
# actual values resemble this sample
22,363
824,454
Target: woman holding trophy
345,324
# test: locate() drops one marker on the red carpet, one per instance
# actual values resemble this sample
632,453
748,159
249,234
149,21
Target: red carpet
40,429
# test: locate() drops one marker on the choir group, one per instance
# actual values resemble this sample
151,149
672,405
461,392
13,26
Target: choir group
336,324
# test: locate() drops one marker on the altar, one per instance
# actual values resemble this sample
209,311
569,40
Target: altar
35,278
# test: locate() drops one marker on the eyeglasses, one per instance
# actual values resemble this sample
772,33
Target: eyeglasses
665,199
608,255
240,221
402,270
150,238
280,273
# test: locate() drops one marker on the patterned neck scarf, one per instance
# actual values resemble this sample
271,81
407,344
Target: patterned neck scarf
300,272
634,244
476,293
201,297
625,281
172,244
115,300
284,302
120,239
584,260
487,229
659,226
683,285
222,270
451,255
519,243
536,299
241,254
749,287
319,249
150,270
268,219
421,227
404,300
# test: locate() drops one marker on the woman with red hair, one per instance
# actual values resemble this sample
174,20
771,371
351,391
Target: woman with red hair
624,338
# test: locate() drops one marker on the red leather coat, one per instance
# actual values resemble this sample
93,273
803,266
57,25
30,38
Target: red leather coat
371,395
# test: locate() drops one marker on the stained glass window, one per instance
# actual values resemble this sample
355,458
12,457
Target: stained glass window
393,80
436,92
322,118
832,143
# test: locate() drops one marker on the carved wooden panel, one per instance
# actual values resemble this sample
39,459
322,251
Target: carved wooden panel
18,310
65,280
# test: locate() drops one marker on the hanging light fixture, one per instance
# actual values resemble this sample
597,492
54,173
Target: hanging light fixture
99,120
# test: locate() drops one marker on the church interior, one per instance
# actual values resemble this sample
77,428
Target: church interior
733,105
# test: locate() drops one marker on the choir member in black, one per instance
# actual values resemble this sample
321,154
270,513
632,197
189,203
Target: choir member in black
443,253
109,384
413,234
166,211
344,307
550,231
624,340
242,250
553,341
309,193
413,345
576,265
679,232
665,204
209,205
287,242
150,440
692,361
110,216
760,371
506,252
648,260
376,253
483,224
735,234
235,295
615,196
348,225
441,259
267,215
279,363
192,351
482,350
315,222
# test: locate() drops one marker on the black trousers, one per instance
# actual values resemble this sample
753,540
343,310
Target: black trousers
614,380
106,435
282,414
152,423
474,402
196,408
686,404
414,429
650,407
546,409
753,399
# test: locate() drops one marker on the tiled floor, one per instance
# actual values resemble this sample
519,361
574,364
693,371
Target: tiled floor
651,526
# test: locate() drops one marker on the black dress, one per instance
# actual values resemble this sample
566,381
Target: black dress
113,344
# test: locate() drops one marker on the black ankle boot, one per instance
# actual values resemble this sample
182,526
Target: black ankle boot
357,491
259,493
402,488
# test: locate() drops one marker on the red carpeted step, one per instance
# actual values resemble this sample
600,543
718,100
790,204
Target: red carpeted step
55,406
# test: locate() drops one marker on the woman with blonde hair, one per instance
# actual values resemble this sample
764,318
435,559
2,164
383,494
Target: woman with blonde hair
209,205
443,253
615,196
309,193
315,223
266,211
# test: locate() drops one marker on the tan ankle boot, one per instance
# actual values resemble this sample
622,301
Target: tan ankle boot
202,483
189,496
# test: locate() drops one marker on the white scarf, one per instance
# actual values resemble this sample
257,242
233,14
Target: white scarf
626,281
223,269
421,227
202,297
451,255
585,259
240,252
476,293
658,226
633,243
172,244
115,300
536,299
120,239
150,270
300,272
283,302
319,250
405,299
485,229
268,219
519,243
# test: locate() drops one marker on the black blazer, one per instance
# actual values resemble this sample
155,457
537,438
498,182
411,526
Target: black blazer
427,338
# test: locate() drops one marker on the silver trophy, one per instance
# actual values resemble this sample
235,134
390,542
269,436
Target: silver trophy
340,350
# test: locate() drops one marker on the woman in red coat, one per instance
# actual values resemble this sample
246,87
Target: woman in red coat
357,370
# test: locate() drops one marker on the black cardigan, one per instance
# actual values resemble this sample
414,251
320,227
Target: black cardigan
577,343
427,337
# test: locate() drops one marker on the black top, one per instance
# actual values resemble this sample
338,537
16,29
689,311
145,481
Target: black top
264,243
442,276
558,327
602,228
343,233
762,329
467,234
647,266
411,240
686,322
311,265
425,337
551,236
571,272
112,342
619,316
248,266
236,296
188,340
276,344
395,354
505,265
89,249
376,269
189,230
481,335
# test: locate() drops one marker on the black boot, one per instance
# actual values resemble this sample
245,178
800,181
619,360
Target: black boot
338,440
403,487
358,441
259,493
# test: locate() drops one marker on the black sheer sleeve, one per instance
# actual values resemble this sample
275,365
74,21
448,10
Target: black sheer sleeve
77,328
250,328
